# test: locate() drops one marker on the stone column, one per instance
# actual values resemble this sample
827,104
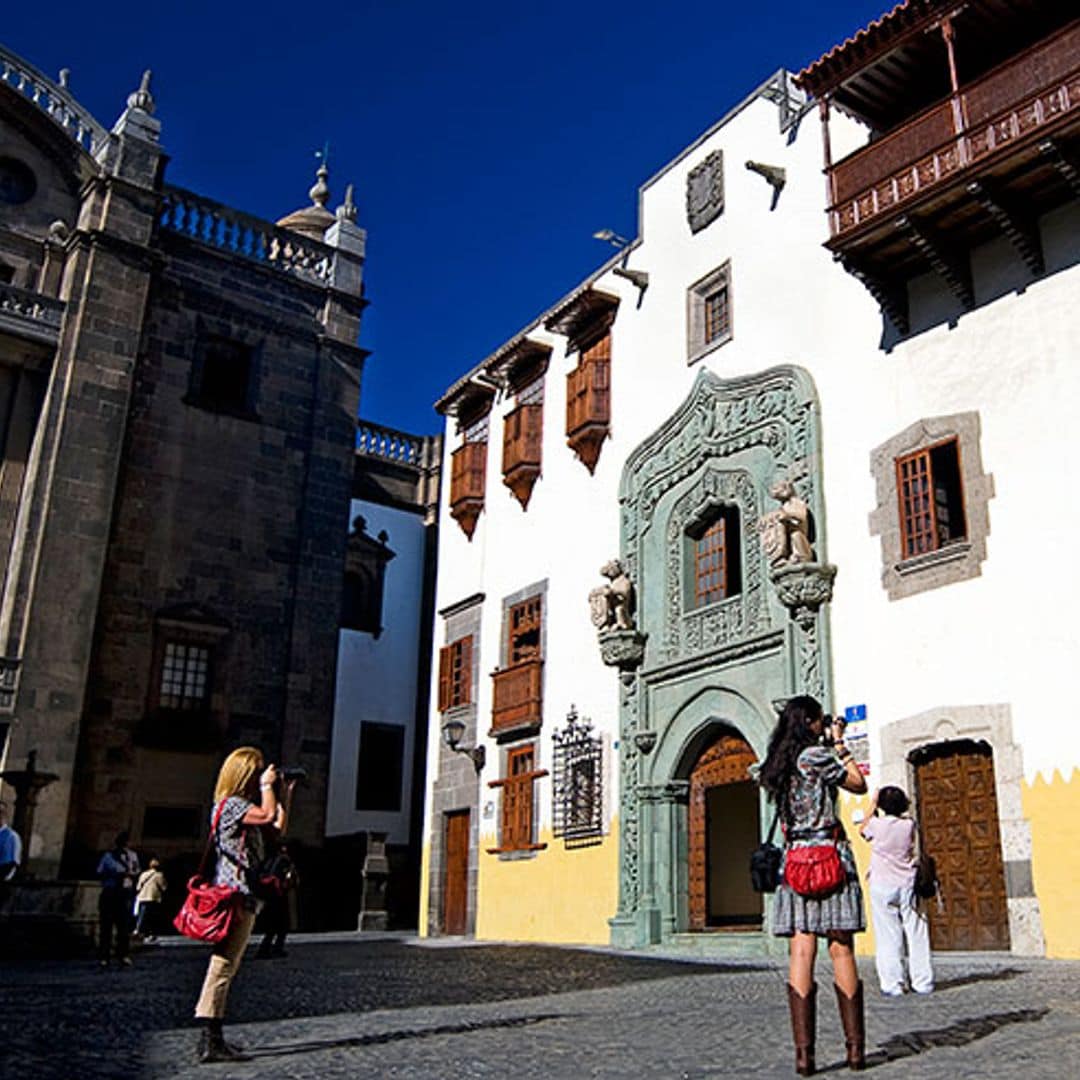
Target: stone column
58,552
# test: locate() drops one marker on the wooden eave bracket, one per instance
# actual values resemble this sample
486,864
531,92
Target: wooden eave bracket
579,317
891,298
1052,150
1016,225
952,268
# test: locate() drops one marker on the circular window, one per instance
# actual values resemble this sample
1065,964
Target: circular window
17,182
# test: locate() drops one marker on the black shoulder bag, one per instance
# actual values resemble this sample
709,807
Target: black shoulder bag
765,862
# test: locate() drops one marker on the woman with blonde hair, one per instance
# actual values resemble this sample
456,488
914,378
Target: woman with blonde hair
245,798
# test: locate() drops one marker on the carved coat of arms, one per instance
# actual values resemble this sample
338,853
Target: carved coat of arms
705,192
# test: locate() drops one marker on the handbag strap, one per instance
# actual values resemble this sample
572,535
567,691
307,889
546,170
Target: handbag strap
210,837
772,827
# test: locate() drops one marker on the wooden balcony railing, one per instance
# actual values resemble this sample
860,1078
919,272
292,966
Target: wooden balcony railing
468,465
518,701
522,440
1021,101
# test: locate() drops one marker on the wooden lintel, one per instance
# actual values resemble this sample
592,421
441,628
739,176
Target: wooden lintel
1016,225
953,269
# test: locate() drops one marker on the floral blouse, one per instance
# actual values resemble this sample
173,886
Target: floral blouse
811,801
238,847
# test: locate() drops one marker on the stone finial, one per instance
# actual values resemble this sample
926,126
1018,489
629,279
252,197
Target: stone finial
347,210
320,190
142,99
65,74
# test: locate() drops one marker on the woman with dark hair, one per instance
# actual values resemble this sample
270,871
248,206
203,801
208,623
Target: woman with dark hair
801,776
897,919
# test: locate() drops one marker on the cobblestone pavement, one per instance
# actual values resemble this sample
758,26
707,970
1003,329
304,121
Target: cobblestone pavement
393,1007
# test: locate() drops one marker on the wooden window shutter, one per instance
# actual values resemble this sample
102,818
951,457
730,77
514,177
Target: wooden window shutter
914,483
446,667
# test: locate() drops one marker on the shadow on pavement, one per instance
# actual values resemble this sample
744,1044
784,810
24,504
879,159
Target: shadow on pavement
976,977
961,1033
313,1046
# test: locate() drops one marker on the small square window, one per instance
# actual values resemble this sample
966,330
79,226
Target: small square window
931,499
717,558
716,314
185,677
223,377
708,313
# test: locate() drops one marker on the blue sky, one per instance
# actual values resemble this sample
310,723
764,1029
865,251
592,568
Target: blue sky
487,141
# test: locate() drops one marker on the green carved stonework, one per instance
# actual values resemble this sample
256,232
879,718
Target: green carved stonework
717,667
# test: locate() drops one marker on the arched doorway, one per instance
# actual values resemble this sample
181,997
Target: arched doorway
958,825
724,829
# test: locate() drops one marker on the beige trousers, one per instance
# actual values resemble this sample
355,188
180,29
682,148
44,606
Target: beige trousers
224,963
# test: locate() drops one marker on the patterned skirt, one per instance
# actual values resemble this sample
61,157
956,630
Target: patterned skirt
841,910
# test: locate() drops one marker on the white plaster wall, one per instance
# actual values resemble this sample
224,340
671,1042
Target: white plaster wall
1007,637
376,679
571,526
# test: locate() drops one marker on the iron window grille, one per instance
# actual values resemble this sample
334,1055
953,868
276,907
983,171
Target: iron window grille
577,787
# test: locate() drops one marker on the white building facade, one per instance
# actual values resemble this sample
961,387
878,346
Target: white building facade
649,416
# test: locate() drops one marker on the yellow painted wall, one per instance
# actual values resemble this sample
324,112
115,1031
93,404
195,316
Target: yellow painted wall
864,943
425,878
1053,811
561,895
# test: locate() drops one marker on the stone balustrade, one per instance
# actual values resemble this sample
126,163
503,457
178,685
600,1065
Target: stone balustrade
392,445
52,99
237,233
30,314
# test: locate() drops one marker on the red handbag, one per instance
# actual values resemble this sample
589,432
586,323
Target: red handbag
814,872
209,911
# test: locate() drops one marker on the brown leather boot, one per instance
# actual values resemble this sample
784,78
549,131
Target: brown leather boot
803,1023
851,1016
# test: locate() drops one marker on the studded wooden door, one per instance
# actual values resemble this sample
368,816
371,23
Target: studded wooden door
455,890
958,818
725,761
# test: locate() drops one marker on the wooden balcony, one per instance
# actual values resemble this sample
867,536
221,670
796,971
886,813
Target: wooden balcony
588,409
468,465
986,161
522,441
518,698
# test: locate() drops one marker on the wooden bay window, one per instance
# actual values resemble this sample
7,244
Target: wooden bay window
518,687
588,402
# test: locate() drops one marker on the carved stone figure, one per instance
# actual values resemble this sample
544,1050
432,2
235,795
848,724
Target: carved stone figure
611,606
785,533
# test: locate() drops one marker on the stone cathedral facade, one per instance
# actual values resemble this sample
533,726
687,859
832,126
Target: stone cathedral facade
180,383
800,435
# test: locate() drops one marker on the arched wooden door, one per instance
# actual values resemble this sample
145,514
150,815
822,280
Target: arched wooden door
724,829
958,821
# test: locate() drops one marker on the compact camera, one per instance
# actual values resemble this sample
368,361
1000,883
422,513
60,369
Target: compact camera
289,774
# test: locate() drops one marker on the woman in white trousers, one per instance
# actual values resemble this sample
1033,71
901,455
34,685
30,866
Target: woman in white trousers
899,925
